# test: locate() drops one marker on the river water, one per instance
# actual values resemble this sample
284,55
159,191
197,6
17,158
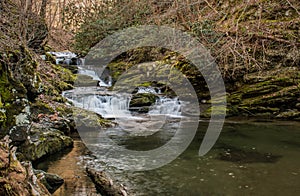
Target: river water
249,158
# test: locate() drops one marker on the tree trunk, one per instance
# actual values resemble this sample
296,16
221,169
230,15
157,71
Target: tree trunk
43,9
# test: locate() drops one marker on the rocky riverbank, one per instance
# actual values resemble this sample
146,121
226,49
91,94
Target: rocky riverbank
269,94
33,115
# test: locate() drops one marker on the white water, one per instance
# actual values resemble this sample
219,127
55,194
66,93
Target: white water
95,76
117,106
166,106
149,90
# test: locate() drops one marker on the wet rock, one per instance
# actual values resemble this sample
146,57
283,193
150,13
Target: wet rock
17,178
43,141
18,134
142,99
51,181
84,81
72,68
105,184
90,121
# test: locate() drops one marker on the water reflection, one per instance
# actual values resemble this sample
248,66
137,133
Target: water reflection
71,169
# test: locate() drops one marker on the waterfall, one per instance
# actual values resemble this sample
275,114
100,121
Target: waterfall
94,75
117,106
108,106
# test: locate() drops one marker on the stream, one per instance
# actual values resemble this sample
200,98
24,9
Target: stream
249,158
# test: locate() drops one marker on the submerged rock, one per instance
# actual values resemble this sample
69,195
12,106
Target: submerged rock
105,185
233,154
51,181
17,178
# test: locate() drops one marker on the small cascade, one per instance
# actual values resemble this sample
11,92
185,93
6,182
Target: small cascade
167,106
94,75
108,106
151,90
117,106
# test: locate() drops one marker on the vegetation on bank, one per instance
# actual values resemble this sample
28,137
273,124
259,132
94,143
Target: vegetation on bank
255,44
32,111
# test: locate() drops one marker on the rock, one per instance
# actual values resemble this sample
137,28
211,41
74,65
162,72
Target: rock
104,184
18,134
17,178
84,81
273,97
289,115
90,121
142,99
58,123
43,141
72,68
51,181
298,106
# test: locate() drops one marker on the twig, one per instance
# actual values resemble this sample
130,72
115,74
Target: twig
293,7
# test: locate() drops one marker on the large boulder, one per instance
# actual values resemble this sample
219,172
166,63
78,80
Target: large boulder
142,101
43,141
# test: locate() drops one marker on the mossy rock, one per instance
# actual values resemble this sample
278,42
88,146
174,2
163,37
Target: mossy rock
89,120
142,99
2,118
85,81
41,107
214,111
43,141
289,115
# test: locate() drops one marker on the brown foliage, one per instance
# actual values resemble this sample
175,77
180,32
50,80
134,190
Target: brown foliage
241,35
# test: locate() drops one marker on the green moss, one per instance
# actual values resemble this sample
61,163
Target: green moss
214,111
42,107
143,99
50,58
84,80
2,117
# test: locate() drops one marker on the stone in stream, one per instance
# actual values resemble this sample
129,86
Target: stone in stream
104,184
142,101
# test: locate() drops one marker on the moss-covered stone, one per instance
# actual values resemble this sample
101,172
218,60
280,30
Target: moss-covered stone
89,120
85,81
142,99
274,96
43,141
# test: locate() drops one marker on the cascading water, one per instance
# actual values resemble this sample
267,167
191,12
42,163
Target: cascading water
94,75
108,106
151,90
112,105
166,106
116,106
